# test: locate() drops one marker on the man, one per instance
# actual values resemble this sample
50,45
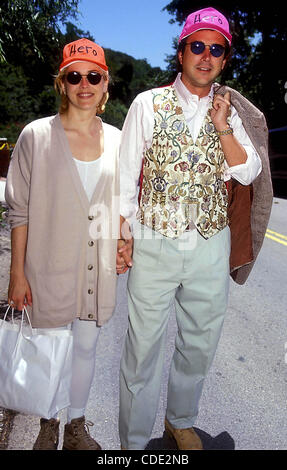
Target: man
189,144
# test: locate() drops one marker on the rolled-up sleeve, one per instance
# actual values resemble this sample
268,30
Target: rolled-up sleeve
248,171
136,137
18,181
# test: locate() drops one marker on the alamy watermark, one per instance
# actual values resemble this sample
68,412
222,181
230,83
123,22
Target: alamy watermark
105,224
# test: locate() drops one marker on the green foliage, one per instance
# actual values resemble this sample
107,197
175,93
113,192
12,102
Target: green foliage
115,113
257,68
14,97
29,53
31,45
2,210
32,57
130,76
29,28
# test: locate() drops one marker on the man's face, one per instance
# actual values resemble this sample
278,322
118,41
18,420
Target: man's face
200,71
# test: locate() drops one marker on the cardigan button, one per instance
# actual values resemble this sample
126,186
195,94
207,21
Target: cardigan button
91,243
91,217
90,291
90,267
90,316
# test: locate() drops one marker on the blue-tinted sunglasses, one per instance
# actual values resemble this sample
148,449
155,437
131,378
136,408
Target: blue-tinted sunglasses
198,47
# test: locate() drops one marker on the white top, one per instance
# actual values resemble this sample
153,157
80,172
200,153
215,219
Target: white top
89,173
137,136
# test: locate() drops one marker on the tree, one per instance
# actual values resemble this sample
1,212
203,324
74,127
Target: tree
30,36
32,45
259,40
25,23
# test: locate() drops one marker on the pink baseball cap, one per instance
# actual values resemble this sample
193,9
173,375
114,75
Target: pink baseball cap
207,18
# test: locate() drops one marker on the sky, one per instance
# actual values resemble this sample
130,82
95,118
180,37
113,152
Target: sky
136,27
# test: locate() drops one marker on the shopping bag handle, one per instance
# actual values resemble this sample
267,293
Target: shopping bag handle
6,313
24,312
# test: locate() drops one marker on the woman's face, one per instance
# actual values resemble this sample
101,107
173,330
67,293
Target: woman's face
84,95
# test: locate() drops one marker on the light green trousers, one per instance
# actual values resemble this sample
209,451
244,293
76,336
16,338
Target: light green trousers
196,278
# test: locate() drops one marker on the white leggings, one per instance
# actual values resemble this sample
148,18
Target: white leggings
85,337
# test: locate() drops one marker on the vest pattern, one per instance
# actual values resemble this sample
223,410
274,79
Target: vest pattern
182,181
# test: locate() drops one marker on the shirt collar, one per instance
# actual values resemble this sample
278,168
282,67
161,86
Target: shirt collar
186,95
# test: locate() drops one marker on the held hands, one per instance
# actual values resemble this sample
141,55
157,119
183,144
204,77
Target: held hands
221,111
124,255
125,248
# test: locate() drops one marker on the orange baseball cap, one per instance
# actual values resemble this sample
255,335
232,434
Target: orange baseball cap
83,50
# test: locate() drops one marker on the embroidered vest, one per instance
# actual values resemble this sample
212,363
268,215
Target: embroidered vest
182,180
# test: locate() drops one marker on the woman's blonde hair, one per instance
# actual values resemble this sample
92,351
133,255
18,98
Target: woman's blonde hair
64,104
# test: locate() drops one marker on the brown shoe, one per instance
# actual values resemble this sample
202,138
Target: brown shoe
186,439
77,436
48,437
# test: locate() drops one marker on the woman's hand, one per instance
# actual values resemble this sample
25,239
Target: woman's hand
19,292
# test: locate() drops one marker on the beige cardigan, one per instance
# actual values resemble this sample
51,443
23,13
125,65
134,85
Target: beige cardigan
71,271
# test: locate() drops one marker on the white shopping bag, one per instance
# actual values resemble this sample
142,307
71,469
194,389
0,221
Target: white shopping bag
35,367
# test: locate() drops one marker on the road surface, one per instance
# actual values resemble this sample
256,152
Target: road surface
244,400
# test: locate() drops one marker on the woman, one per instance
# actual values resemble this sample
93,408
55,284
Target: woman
62,191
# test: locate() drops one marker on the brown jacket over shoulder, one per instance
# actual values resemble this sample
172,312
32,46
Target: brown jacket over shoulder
249,206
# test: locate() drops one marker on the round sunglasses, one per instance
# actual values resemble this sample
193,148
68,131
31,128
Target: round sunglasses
198,47
74,78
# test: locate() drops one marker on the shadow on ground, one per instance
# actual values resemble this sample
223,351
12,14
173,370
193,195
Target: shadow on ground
221,442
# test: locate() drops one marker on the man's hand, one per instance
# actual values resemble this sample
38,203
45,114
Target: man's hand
221,111
235,153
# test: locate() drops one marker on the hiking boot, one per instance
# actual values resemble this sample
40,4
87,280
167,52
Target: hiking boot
48,437
77,436
186,439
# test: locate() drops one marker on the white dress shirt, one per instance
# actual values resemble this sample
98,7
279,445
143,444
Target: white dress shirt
137,136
